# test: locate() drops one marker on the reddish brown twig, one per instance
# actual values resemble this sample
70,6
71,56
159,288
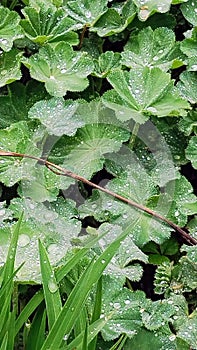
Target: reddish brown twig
64,172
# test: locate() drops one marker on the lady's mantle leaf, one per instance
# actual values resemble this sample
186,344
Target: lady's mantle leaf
84,152
121,265
157,314
187,86
133,182
9,28
57,115
189,48
17,138
191,151
14,106
116,19
125,307
148,7
142,92
86,12
189,11
106,62
48,24
60,68
54,223
188,330
151,48
10,66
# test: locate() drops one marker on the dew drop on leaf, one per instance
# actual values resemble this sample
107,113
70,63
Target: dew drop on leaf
53,287
23,240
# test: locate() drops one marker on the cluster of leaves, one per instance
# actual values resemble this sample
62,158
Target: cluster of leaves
107,90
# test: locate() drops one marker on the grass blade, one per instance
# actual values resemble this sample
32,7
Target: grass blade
60,274
85,338
93,330
30,307
97,310
9,264
76,299
4,342
36,334
50,287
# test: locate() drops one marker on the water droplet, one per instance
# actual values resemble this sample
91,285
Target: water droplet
52,285
23,240
88,14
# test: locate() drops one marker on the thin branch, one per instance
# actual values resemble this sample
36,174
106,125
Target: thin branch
64,172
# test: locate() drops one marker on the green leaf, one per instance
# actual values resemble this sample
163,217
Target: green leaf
54,223
188,124
43,186
36,333
10,66
93,330
60,68
151,48
187,86
115,20
76,298
121,265
148,7
48,24
124,306
189,48
183,201
157,314
191,253
85,152
56,115
141,92
50,287
19,137
145,340
191,151
189,11
188,331
14,106
86,12
106,63
10,29
133,183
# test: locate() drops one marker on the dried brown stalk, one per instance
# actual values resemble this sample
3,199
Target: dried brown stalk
64,172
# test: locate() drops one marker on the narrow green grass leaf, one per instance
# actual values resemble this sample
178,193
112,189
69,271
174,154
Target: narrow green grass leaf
29,308
10,343
4,342
85,338
50,287
93,330
60,274
36,334
4,315
81,322
3,289
76,299
9,265
97,310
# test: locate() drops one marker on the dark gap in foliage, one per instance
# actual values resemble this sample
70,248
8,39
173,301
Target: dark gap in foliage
191,174
116,45
146,282
8,193
175,73
25,75
101,178
90,221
